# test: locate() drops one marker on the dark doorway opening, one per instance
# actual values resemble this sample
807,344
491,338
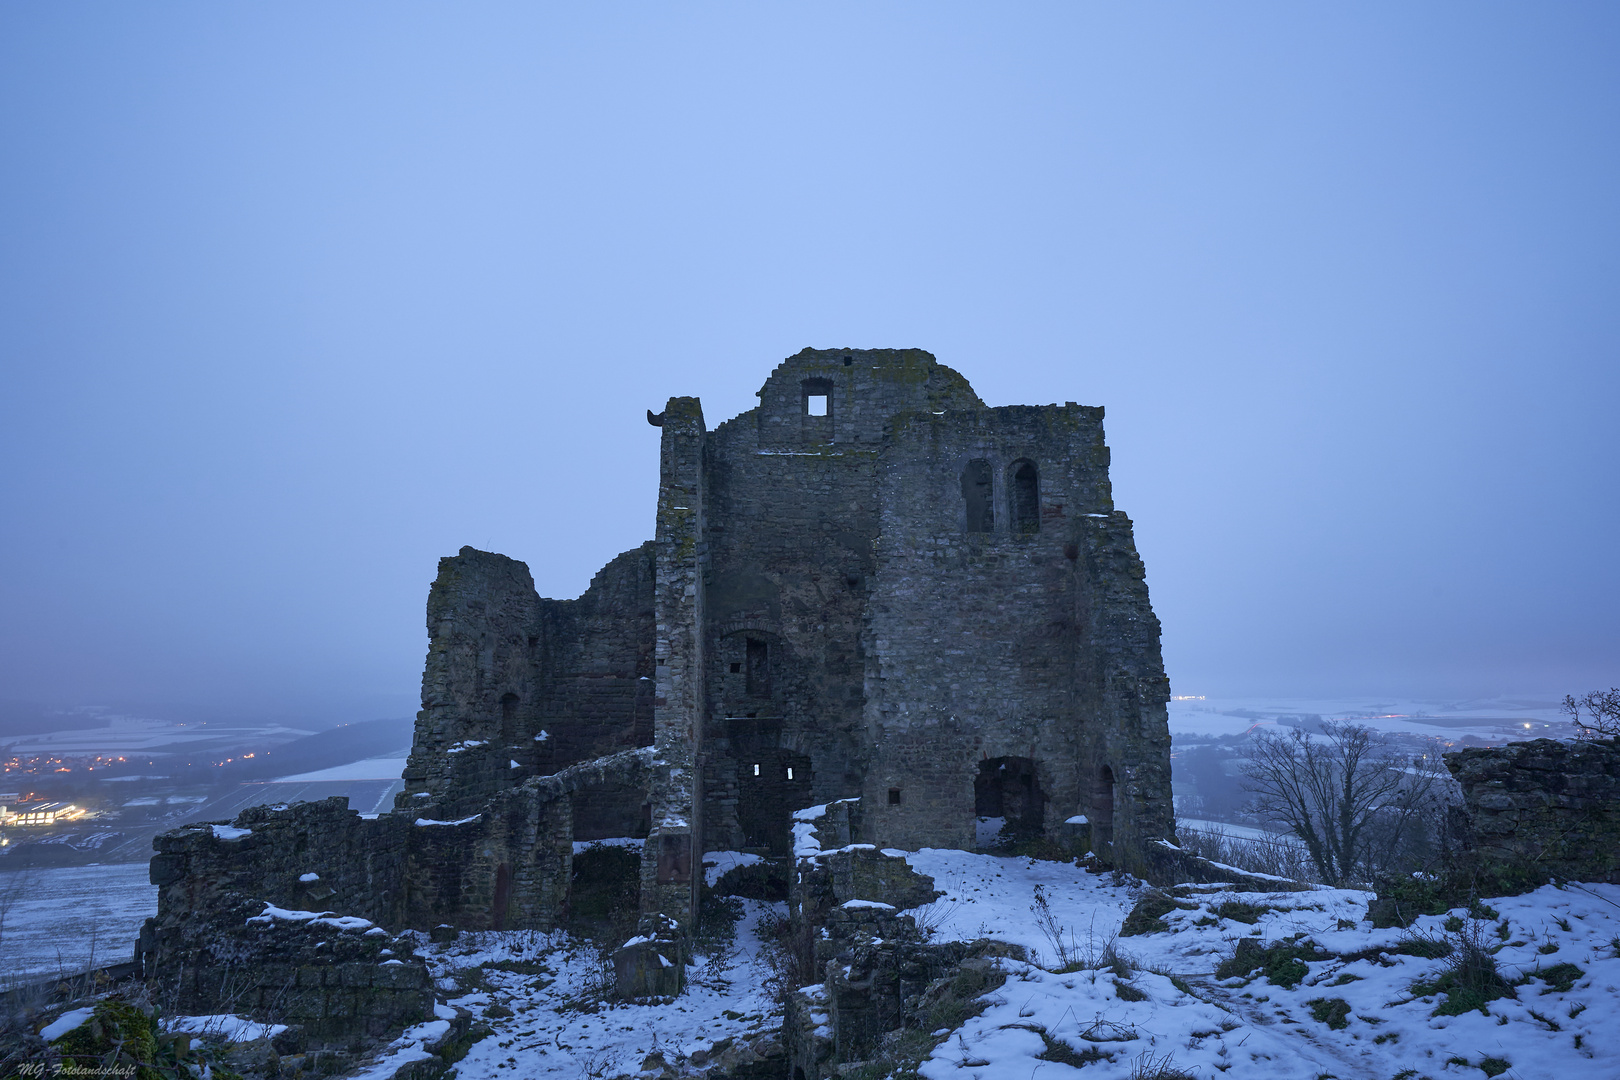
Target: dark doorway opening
604,893
771,784
1008,801
1102,810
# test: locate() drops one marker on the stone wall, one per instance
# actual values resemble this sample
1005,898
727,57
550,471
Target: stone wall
516,686
1543,809
859,630
1024,633
335,980
597,666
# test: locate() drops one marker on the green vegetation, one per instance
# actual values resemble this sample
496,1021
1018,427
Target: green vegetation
605,894
1239,911
1470,981
1284,963
1147,917
1061,1052
1334,1012
1127,992
1560,977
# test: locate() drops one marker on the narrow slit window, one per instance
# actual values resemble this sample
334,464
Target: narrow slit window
759,668
790,772
756,769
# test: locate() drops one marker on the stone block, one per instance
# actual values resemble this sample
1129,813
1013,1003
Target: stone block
648,968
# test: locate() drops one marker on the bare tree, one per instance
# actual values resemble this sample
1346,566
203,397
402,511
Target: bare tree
1602,707
1350,797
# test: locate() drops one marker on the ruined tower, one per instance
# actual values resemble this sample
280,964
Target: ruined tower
870,586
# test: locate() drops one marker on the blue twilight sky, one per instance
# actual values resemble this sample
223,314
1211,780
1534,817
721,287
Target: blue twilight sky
296,298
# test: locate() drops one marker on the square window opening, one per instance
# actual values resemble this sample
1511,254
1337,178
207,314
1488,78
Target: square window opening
816,404
894,796
736,669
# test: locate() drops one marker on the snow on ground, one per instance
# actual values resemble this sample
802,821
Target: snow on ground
1259,1030
1561,1025
227,1026
559,1024
379,768
63,918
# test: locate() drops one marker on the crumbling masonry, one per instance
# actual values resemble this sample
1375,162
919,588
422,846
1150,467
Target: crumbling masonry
869,586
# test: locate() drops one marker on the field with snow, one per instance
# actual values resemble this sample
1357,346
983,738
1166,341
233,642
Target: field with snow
1490,720
1360,1005
61,919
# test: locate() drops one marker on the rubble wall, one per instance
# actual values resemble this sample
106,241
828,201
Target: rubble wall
596,657
516,686
1543,809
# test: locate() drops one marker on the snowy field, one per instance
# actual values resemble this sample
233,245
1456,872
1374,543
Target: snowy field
383,768
64,918
1360,1012
134,735
1493,719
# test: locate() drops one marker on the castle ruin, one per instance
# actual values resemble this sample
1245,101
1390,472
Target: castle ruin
870,587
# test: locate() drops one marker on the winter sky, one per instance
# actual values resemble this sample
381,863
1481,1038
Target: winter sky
297,298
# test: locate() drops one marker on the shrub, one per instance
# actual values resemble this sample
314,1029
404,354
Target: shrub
1470,981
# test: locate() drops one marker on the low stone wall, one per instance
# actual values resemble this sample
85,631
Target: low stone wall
316,855
212,949
334,980
1543,809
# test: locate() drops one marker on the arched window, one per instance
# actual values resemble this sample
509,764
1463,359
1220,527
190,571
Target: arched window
978,493
1025,497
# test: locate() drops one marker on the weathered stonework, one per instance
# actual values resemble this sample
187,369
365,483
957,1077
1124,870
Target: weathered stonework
870,587
1543,809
